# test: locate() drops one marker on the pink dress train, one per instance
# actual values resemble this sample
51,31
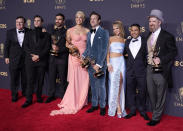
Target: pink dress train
77,91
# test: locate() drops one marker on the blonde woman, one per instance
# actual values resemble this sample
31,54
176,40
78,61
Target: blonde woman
76,94
117,69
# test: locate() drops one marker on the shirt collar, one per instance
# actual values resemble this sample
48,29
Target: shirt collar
157,31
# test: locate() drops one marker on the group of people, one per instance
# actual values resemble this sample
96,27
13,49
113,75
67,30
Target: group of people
136,65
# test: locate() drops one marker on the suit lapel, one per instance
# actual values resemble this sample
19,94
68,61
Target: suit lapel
96,36
128,48
34,36
15,36
159,39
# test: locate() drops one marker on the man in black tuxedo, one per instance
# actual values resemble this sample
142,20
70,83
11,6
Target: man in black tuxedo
15,57
136,72
161,52
37,46
58,61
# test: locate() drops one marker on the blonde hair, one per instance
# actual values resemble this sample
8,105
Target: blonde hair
121,27
80,13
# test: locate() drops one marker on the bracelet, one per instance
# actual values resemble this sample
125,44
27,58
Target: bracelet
108,64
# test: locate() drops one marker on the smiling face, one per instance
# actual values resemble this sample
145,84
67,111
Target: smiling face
79,18
135,32
154,24
94,21
19,23
116,30
59,21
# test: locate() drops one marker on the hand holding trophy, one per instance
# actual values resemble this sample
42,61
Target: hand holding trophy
87,61
156,68
55,40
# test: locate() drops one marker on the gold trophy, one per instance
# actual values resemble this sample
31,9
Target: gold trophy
74,51
87,62
156,68
55,40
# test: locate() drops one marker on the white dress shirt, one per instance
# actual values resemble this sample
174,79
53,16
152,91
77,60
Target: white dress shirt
20,37
135,46
93,35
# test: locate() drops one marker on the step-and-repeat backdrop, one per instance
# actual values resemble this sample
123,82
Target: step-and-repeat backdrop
128,11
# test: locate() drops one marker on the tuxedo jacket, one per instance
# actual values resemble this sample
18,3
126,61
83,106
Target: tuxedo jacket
13,50
39,46
167,51
98,51
136,66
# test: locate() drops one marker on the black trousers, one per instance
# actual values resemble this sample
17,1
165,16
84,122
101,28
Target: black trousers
35,79
17,76
57,69
136,93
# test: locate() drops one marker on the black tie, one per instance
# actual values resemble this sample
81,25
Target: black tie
134,40
93,30
21,31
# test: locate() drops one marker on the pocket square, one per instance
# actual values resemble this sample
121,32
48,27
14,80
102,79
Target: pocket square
99,37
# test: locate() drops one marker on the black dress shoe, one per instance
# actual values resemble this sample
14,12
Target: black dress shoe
39,100
102,111
152,123
129,115
26,104
14,99
49,99
92,109
145,116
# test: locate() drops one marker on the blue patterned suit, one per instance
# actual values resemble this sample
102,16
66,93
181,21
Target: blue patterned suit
98,51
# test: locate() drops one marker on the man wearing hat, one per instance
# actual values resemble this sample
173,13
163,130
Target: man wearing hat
161,52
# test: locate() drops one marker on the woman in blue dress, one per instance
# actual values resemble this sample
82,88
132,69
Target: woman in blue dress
117,69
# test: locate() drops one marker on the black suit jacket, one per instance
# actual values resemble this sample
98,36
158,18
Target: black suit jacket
136,66
39,46
167,51
13,50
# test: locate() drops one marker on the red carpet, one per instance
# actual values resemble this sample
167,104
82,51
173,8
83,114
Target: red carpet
36,118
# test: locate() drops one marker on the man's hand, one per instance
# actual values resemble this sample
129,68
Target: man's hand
95,67
7,60
35,58
54,47
156,60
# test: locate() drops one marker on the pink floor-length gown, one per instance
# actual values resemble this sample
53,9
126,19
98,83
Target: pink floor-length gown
77,91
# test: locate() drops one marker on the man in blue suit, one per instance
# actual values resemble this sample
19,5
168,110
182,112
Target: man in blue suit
97,43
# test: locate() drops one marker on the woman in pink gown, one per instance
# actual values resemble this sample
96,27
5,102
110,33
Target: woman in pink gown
77,91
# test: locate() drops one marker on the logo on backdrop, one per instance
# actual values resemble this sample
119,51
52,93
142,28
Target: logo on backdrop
2,4
60,4
3,26
179,97
179,37
137,4
28,23
29,1
5,74
1,50
178,63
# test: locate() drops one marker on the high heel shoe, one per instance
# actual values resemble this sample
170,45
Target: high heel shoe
119,115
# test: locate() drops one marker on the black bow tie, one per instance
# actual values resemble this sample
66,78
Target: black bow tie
134,40
93,30
21,31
